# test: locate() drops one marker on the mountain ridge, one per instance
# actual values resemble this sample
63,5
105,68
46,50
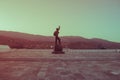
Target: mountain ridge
25,40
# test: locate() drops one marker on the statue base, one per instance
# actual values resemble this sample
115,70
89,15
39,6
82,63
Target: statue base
58,50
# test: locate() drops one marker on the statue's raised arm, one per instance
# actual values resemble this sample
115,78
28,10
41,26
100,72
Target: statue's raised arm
59,27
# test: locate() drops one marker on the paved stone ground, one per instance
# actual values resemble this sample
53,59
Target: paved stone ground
73,65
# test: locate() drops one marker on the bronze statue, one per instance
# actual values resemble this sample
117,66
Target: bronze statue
57,39
58,47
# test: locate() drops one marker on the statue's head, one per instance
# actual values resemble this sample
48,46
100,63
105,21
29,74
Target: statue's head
57,29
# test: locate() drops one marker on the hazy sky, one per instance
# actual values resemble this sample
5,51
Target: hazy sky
86,18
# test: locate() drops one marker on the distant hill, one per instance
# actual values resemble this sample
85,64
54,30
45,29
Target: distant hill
30,41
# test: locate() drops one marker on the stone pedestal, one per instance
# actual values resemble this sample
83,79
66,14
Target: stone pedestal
58,49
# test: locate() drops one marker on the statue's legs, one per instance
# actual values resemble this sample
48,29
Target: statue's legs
58,46
57,41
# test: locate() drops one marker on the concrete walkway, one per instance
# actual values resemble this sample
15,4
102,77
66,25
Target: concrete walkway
73,65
